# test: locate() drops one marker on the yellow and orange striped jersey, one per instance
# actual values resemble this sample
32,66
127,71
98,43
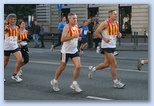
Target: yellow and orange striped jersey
22,35
12,32
73,30
112,29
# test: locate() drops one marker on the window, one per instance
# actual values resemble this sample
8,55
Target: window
125,19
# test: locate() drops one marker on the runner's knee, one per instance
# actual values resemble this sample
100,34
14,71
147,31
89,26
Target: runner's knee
114,64
78,67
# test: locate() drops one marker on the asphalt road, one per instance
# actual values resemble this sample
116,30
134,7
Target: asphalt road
38,73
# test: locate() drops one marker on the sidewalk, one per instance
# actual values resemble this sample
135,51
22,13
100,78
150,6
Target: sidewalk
126,45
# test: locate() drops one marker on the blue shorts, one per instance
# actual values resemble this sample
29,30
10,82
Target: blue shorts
84,40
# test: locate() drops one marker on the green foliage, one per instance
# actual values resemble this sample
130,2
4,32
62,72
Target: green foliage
21,10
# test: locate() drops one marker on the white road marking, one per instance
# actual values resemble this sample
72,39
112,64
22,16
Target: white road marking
54,63
97,98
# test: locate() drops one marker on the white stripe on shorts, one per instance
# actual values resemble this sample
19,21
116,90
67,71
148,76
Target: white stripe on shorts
63,57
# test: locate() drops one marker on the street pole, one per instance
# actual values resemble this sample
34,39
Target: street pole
144,36
135,39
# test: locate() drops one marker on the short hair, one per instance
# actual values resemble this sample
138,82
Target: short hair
12,15
110,11
85,21
70,14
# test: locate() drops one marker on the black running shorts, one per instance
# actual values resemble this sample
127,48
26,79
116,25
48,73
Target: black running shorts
83,41
8,52
108,50
66,56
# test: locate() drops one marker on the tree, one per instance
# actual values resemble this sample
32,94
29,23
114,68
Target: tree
21,10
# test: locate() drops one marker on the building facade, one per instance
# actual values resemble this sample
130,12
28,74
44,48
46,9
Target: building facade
132,17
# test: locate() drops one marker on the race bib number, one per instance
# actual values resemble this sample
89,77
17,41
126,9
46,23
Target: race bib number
13,39
85,32
113,39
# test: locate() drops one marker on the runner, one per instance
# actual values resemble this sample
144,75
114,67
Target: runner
60,29
69,49
11,45
84,31
22,43
108,31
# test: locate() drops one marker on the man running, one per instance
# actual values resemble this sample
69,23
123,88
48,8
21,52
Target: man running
84,31
60,30
108,31
70,36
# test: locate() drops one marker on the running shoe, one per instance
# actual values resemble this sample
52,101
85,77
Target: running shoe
98,49
115,53
16,78
4,80
81,51
20,72
118,85
139,65
52,47
90,75
55,86
76,87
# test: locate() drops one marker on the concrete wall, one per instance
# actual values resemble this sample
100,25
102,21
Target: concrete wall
43,15
140,18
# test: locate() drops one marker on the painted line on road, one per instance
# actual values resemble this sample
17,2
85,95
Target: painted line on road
54,63
97,98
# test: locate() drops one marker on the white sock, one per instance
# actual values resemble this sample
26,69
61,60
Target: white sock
115,80
55,81
74,82
142,61
93,69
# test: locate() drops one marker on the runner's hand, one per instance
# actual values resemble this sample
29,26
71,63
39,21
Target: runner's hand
107,40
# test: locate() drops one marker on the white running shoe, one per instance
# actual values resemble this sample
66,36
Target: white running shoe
98,49
81,51
118,85
115,53
20,72
76,87
16,78
55,86
90,75
52,47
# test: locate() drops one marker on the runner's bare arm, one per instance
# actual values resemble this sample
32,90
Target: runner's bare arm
98,31
64,37
119,35
6,29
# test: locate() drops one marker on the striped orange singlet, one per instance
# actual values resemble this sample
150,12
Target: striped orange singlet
73,30
12,32
112,29
22,35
